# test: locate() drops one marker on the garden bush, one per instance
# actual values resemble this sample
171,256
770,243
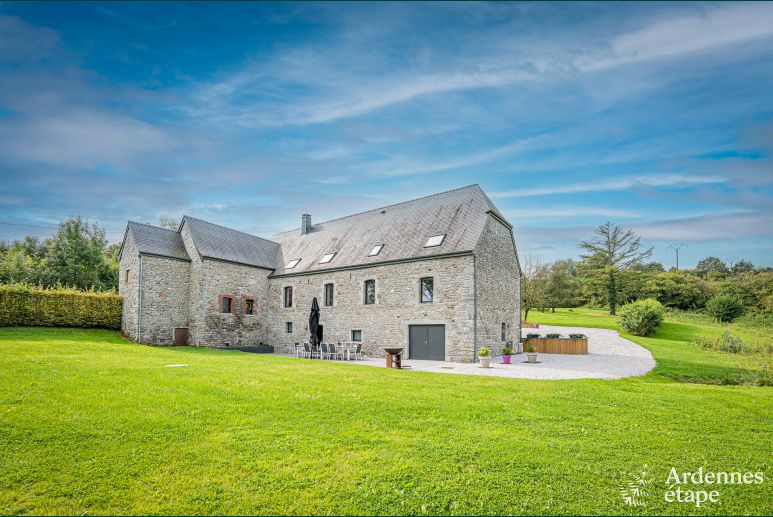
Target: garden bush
724,308
25,306
641,318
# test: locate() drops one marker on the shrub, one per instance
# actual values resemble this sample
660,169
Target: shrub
484,351
532,336
578,336
730,344
641,318
22,305
552,336
507,351
531,349
724,308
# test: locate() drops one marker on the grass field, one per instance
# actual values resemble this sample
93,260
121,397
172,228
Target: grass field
92,424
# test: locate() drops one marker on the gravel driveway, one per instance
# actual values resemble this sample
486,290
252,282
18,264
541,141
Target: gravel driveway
609,357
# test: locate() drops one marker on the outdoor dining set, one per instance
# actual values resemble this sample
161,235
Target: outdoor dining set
341,351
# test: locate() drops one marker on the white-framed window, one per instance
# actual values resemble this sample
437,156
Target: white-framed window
287,296
327,257
292,263
289,327
427,286
357,335
376,250
370,292
435,240
329,294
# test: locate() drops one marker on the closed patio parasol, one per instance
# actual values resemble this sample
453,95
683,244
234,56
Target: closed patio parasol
314,323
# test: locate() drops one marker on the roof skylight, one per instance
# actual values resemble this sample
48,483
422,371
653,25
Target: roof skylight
327,258
376,250
435,240
292,263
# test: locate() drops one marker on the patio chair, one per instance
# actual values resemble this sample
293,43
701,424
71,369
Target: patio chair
324,351
298,350
307,350
358,352
334,352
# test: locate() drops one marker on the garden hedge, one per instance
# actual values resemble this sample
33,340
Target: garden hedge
25,306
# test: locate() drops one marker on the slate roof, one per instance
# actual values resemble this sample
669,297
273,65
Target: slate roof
402,228
218,242
157,241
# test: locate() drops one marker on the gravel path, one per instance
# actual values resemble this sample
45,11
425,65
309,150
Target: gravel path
609,357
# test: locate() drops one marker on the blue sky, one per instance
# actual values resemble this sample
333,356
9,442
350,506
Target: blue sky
656,116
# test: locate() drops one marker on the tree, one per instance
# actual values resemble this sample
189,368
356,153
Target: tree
711,265
75,255
649,268
742,266
533,284
614,249
678,289
563,286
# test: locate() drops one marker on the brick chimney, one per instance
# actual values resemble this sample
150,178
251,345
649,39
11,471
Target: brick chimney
305,224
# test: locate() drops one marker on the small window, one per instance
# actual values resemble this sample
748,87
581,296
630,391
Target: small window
327,258
376,250
504,331
427,290
249,306
356,335
289,327
370,292
435,240
292,264
127,276
288,296
226,304
329,293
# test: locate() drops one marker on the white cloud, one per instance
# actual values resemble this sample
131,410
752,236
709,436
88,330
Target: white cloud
613,185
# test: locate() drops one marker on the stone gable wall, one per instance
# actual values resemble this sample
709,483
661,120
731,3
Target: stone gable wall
384,323
498,282
164,298
130,260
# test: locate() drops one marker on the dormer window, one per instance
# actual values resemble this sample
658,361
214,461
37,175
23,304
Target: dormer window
435,240
376,250
292,263
327,258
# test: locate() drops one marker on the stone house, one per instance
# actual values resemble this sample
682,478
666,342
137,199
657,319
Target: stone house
438,275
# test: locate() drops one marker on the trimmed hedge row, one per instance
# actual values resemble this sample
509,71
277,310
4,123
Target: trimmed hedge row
25,306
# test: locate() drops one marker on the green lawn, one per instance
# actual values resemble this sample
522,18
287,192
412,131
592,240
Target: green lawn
92,424
678,359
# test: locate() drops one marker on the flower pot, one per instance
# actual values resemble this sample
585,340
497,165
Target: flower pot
532,357
485,362
505,359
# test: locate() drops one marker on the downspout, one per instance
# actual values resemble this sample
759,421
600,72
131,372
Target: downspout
520,306
139,303
475,310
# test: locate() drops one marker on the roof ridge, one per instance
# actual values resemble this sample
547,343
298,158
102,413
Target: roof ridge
228,228
386,206
152,226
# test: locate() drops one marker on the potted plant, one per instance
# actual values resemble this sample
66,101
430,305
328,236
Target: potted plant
506,353
532,354
484,355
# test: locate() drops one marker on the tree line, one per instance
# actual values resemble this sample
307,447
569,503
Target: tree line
614,270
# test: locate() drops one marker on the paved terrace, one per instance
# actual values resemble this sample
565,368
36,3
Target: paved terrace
609,357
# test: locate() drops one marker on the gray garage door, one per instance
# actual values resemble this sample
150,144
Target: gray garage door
427,342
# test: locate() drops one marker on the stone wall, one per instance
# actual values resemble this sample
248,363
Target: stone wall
164,298
211,326
397,305
130,260
498,281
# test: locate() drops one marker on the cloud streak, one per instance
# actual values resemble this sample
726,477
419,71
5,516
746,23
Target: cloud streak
612,185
